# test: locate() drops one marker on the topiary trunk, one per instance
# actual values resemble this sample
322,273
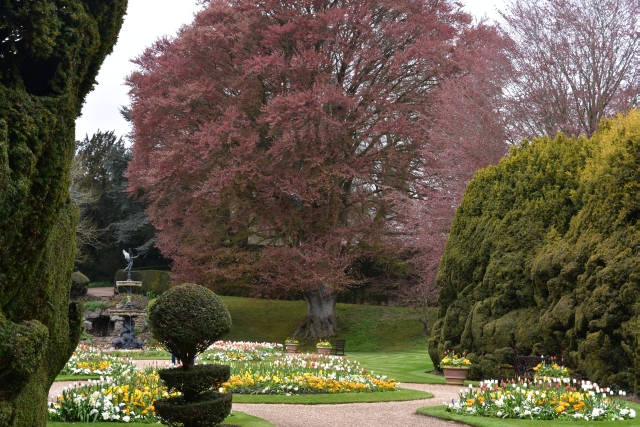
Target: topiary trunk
49,56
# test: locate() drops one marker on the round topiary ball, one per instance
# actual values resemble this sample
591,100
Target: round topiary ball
79,284
187,319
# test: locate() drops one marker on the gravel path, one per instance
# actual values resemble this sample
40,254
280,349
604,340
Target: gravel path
382,414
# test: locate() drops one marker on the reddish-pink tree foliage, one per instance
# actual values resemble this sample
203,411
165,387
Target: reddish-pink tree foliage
280,140
575,62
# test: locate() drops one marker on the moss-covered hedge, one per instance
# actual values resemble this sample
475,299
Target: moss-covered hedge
156,281
544,258
50,53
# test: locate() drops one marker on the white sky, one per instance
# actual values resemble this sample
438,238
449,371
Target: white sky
145,22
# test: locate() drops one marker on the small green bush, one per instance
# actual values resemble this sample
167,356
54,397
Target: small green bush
79,284
197,380
187,319
208,410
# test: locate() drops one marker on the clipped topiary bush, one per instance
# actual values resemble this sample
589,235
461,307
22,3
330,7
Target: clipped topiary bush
542,258
186,320
79,284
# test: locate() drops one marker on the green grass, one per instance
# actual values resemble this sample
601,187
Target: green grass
365,328
238,418
94,305
77,377
409,366
440,412
401,394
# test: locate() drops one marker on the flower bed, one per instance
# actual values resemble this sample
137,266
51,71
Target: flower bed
127,398
552,370
88,360
304,375
543,400
229,351
129,394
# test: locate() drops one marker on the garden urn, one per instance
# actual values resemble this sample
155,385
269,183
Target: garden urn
455,375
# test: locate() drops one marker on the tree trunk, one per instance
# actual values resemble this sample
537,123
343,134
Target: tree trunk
321,320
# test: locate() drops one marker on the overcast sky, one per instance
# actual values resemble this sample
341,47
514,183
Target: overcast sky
145,21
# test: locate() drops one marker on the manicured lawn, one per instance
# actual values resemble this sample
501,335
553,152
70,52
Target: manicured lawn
400,394
440,412
409,366
238,418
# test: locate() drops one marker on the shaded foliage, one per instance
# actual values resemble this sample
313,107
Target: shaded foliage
543,257
50,52
119,220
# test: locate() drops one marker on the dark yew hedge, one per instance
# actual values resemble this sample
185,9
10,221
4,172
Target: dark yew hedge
544,258
50,53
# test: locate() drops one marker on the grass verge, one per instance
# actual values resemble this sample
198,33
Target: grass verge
77,377
440,412
399,395
238,418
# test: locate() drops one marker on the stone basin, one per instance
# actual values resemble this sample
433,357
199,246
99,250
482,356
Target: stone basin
127,283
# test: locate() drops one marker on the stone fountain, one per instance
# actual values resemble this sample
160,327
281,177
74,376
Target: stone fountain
128,340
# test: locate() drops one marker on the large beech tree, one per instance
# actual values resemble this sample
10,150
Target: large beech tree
279,140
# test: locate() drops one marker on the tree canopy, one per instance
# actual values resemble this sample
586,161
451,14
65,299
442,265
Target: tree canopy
543,258
277,141
574,63
111,219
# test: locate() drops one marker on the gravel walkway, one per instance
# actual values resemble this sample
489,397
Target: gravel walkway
382,414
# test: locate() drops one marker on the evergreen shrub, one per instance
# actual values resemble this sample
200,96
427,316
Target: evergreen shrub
79,284
186,320
542,258
50,54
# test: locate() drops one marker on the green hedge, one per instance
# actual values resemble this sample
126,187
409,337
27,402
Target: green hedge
542,258
49,58
156,281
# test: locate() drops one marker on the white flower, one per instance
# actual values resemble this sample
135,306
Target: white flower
632,413
126,418
105,415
